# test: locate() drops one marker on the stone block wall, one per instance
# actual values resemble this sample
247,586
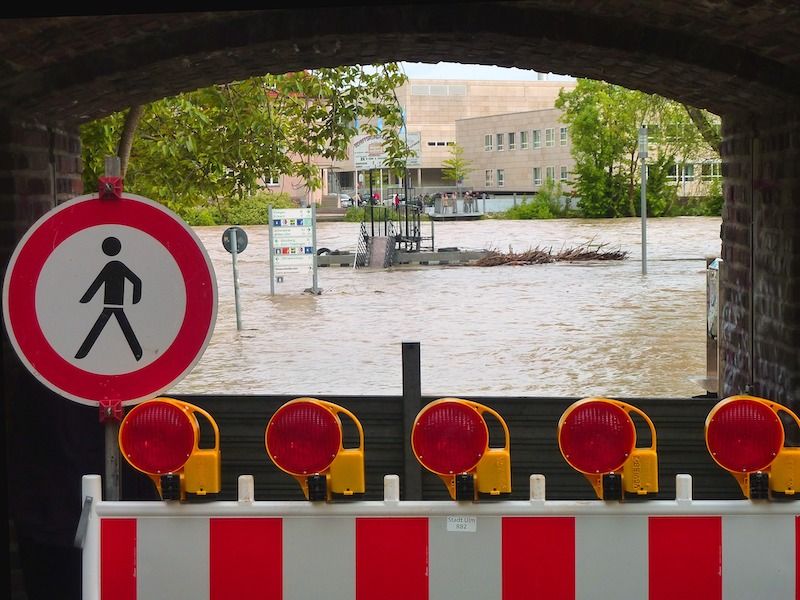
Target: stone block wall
40,167
760,318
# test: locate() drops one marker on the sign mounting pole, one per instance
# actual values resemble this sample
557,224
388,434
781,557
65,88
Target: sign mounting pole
111,411
109,299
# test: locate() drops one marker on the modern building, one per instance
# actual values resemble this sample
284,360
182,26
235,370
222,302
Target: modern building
434,110
515,153
511,133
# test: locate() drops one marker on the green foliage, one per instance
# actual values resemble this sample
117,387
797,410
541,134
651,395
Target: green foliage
705,206
546,204
661,193
604,121
253,210
219,144
456,168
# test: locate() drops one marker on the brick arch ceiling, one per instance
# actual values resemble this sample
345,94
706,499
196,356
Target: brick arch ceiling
724,55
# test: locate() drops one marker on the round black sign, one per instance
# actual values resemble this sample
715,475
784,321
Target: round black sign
241,239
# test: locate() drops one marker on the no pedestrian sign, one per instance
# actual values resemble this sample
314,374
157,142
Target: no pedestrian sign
110,299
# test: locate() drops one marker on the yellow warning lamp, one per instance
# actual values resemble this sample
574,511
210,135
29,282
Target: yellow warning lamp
304,439
745,436
160,438
450,438
597,437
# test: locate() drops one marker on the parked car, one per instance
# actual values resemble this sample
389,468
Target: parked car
345,201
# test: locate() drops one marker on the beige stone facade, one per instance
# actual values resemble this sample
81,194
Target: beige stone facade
511,134
436,107
515,153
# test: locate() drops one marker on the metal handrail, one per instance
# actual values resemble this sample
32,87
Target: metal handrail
362,248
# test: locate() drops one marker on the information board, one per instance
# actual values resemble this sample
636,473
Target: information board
292,245
368,152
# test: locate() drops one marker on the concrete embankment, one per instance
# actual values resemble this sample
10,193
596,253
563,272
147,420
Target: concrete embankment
447,257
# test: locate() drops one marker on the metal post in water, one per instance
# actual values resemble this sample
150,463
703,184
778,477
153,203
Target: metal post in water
271,256
314,286
643,157
234,252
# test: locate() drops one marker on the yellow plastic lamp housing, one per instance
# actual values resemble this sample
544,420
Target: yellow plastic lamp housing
745,436
597,437
450,438
160,437
304,439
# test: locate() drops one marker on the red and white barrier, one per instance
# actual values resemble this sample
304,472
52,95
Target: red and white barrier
506,550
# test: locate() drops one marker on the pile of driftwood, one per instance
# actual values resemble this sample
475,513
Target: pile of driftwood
538,256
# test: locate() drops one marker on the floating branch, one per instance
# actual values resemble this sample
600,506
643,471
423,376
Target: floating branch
537,256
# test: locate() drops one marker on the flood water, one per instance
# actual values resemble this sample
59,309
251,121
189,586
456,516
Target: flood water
562,329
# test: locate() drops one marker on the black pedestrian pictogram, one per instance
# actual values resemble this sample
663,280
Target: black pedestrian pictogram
113,277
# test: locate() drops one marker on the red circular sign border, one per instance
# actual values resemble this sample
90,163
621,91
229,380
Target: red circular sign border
19,292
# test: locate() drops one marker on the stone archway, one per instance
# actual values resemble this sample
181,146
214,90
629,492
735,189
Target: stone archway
737,58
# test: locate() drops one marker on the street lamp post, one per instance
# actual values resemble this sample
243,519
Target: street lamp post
643,157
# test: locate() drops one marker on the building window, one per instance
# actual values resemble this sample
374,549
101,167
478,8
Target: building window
563,173
512,140
537,176
489,178
487,143
688,172
550,173
501,177
500,141
274,180
712,170
523,140
563,135
549,137
537,138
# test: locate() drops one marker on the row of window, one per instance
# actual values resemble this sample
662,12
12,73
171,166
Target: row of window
498,140
708,171
440,143
500,174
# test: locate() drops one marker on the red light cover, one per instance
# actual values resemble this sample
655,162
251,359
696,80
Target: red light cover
744,435
157,437
597,437
303,438
450,438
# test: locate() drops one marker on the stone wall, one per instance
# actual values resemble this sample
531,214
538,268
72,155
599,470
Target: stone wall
40,167
760,318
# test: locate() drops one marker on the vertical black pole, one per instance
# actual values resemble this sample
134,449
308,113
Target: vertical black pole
371,213
411,484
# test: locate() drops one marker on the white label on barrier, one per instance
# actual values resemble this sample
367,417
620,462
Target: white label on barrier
462,524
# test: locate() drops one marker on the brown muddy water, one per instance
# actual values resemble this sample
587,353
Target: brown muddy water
563,329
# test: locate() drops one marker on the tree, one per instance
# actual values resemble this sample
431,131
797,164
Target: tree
456,168
218,145
604,121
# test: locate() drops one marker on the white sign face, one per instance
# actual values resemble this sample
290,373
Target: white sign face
153,323
368,152
292,241
109,299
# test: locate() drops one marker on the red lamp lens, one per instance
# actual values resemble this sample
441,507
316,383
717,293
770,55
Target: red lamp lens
303,438
597,437
157,437
744,435
449,437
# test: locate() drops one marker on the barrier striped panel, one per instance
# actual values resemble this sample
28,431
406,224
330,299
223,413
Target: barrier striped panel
344,557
